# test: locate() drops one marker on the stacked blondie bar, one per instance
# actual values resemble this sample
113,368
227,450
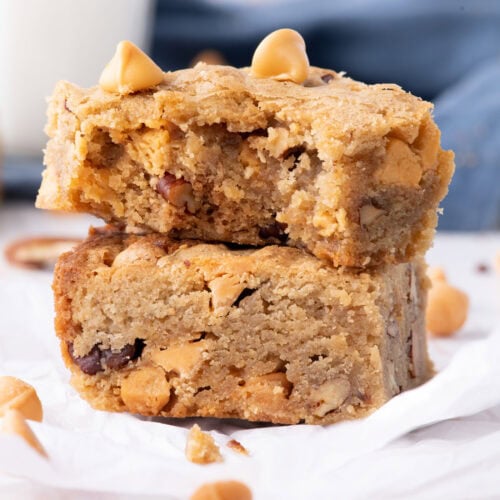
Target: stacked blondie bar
267,226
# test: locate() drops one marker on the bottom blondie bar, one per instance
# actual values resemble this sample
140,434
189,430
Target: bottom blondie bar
181,328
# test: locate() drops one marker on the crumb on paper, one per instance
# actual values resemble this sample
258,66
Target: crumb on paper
201,447
237,447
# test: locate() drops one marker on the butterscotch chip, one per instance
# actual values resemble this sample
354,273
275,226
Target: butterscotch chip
145,391
401,166
130,70
436,274
208,57
16,394
282,56
447,309
14,423
222,490
225,290
39,252
201,447
181,359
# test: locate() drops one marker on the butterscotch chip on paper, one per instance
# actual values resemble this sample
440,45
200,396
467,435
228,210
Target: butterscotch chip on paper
13,422
447,309
223,490
15,394
201,447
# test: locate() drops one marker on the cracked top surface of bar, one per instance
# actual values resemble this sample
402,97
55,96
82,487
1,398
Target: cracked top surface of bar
352,172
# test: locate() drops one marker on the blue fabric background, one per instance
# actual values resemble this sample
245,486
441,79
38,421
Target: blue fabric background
447,51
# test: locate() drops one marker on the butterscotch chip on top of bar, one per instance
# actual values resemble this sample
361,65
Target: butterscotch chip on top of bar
155,326
289,154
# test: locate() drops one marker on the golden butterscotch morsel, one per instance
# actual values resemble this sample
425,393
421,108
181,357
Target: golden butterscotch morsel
146,390
225,290
181,359
16,394
201,447
13,422
223,490
447,309
436,274
130,70
282,56
401,166
209,56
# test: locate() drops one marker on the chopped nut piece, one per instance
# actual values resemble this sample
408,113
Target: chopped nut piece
181,358
38,253
237,447
130,70
146,391
331,395
400,166
447,309
178,192
201,447
16,394
14,423
281,55
223,490
368,213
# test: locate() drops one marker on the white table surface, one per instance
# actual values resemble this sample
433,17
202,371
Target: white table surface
455,458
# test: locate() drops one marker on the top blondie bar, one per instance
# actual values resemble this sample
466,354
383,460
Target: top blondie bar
353,173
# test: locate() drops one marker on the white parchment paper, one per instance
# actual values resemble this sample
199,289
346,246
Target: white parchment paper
441,440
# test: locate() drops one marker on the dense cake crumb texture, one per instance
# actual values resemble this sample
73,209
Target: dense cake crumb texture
352,172
155,326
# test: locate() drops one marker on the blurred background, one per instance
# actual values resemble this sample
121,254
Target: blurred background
446,51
